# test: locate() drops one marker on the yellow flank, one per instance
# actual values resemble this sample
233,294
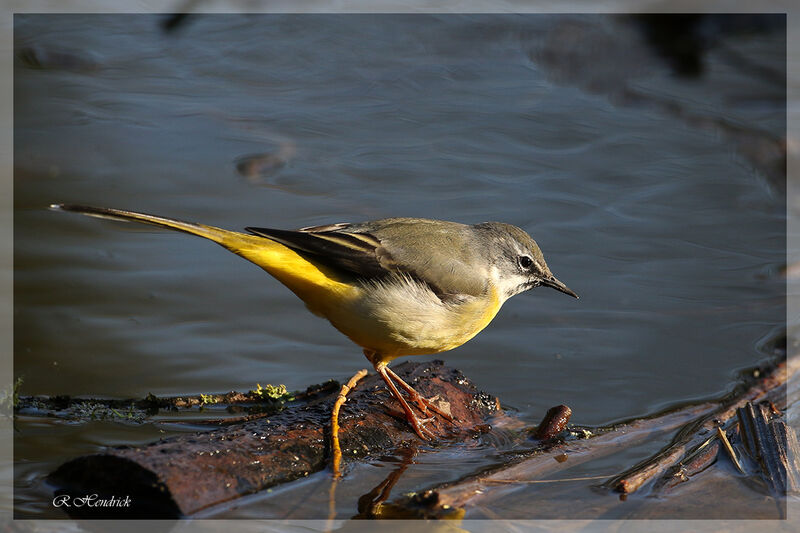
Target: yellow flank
316,285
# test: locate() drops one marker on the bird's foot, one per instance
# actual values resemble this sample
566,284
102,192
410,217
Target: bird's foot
443,409
422,403
419,425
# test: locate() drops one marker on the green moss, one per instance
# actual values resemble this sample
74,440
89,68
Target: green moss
272,392
206,399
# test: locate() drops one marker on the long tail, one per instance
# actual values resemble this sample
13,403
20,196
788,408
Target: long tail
305,278
217,235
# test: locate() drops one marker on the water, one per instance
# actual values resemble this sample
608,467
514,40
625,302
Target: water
654,196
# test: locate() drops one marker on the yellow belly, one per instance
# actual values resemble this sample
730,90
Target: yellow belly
397,321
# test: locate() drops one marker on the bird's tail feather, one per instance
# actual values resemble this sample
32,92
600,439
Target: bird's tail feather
309,280
217,235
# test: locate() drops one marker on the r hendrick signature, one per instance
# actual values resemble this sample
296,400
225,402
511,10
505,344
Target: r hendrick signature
91,500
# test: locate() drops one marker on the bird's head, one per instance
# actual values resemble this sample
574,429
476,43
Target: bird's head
517,262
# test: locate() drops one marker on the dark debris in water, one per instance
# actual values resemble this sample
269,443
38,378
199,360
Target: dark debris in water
49,59
81,409
554,422
259,402
481,400
257,168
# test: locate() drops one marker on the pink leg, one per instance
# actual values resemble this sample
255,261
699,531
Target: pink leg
423,403
417,423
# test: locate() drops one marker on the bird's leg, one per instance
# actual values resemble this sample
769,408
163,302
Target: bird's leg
423,403
417,423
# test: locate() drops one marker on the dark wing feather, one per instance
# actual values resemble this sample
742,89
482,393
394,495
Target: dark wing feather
356,253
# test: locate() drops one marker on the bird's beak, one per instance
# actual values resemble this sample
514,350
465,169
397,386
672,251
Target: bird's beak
557,285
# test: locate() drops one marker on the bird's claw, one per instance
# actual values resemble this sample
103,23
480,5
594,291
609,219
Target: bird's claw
422,403
419,426
427,403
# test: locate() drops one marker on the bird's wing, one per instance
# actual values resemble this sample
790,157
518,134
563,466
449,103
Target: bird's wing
374,250
332,247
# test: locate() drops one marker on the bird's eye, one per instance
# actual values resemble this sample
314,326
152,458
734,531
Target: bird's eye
525,261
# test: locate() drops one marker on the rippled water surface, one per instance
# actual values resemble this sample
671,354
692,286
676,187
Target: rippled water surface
657,196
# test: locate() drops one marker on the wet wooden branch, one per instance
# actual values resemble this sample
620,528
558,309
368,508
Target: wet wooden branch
545,459
181,475
691,450
554,422
769,385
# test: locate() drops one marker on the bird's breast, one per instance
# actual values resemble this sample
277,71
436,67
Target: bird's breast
401,316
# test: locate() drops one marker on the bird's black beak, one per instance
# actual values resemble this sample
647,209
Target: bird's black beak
557,285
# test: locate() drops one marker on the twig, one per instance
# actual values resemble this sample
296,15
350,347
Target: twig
337,450
537,481
492,487
554,422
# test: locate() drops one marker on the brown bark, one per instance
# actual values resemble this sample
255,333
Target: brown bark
181,475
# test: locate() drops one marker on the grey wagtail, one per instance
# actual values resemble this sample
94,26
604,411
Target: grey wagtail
397,286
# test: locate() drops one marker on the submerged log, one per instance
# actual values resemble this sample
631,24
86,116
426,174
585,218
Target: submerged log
544,459
180,475
688,445
693,449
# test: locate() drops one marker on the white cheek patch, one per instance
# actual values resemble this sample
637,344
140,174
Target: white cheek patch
508,285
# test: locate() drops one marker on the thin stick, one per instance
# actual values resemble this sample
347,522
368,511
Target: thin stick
337,450
487,489
537,481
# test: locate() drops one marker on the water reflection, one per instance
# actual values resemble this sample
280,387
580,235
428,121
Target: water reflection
371,504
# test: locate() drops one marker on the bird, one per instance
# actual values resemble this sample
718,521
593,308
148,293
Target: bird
394,286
